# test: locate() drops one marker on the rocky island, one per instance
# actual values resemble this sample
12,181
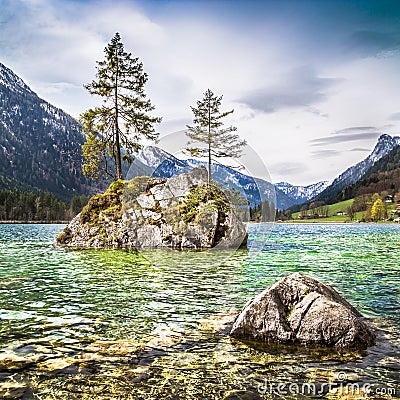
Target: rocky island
181,212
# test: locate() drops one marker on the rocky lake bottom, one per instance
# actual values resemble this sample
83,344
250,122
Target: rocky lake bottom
114,324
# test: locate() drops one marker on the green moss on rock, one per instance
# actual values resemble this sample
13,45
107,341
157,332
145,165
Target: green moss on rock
204,197
133,188
107,204
65,236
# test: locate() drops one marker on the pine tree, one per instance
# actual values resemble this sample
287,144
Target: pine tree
208,138
114,130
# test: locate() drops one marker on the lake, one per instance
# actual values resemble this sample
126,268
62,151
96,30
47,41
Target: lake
63,301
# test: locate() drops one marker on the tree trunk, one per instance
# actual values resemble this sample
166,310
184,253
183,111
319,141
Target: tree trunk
116,127
209,145
209,163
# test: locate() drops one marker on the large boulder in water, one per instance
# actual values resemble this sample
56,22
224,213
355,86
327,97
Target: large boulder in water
299,309
179,212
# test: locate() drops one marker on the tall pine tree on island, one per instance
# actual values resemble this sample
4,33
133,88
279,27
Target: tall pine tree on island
115,129
207,136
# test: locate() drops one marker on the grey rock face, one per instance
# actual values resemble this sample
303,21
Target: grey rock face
299,309
152,218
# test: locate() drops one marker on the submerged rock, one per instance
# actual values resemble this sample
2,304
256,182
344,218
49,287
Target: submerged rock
179,212
219,323
242,395
115,348
10,361
59,365
13,389
299,309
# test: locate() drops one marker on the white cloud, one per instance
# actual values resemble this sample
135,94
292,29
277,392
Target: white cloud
257,56
300,88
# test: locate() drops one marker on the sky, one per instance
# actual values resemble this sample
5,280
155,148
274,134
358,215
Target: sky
313,83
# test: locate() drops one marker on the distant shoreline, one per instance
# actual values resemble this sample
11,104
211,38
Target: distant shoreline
315,221
11,222
323,222
333,222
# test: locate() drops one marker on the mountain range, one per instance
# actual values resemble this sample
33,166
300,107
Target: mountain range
287,195
157,162
40,148
383,176
353,174
300,194
162,164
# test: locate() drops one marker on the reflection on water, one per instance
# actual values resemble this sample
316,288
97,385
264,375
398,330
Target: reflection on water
69,299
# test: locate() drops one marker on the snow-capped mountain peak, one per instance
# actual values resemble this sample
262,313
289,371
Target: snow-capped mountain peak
11,81
303,193
153,156
385,144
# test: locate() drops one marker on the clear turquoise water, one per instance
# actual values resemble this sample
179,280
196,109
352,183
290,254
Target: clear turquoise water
68,297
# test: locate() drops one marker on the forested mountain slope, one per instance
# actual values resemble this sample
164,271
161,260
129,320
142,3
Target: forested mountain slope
40,145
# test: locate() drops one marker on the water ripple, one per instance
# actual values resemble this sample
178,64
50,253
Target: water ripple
68,296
